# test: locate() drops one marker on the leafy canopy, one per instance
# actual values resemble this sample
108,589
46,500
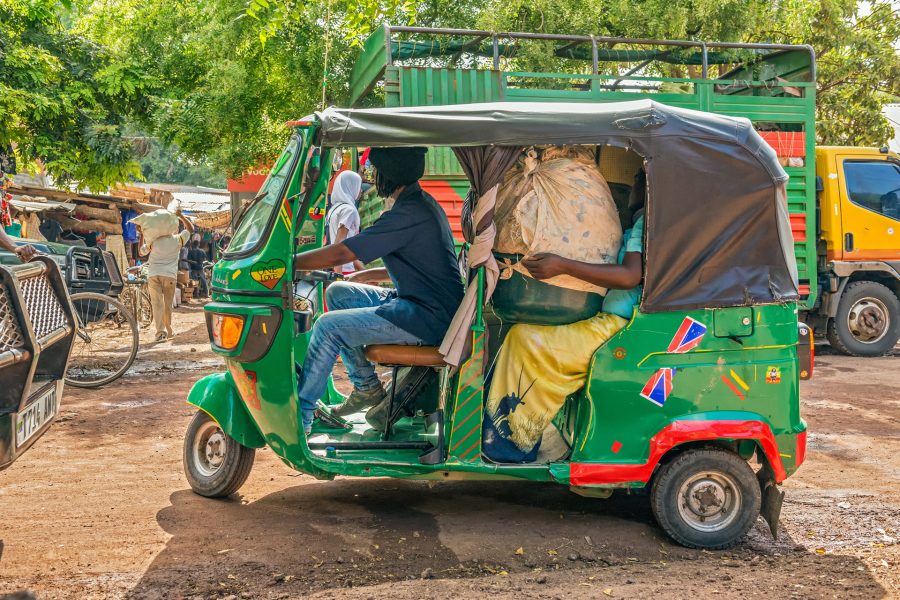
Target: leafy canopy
63,97
216,79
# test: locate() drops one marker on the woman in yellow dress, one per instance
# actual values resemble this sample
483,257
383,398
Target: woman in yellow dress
539,366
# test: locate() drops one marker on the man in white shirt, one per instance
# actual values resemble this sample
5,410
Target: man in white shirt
162,270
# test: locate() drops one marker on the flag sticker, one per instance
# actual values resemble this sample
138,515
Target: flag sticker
659,386
688,336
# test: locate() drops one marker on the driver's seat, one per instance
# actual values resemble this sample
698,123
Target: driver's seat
396,356
391,355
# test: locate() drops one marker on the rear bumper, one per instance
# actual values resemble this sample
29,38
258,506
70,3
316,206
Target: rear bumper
8,421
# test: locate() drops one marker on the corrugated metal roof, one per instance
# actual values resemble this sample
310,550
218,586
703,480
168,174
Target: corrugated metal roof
193,202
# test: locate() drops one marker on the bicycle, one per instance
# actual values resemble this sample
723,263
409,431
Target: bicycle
106,340
136,296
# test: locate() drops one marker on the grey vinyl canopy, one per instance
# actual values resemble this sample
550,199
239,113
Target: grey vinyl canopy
716,220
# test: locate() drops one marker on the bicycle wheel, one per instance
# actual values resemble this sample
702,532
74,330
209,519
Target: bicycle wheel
106,341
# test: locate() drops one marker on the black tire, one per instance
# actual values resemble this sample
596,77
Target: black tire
867,322
106,343
707,471
214,463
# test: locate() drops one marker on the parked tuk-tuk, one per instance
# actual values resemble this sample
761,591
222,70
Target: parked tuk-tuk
704,378
37,331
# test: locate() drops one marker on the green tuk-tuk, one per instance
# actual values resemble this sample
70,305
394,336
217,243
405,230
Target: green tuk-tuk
704,378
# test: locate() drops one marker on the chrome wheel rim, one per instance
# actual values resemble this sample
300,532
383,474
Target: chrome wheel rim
868,320
709,501
210,446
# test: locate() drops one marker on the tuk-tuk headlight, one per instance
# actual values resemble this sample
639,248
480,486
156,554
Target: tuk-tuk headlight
226,330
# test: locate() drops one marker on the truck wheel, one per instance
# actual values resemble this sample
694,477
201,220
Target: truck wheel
707,498
214,463
867,322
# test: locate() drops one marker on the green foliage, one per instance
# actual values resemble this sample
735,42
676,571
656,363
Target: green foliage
165,164
62,97
217,79
858,62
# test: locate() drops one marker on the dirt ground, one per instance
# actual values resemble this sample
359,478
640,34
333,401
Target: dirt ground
99,508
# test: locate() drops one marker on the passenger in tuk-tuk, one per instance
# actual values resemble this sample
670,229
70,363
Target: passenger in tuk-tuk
539,366
416,244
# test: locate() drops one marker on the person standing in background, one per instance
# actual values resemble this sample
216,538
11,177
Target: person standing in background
162,270
196,258
129,234
343,217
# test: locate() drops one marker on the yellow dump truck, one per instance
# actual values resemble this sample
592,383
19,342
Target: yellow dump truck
858,231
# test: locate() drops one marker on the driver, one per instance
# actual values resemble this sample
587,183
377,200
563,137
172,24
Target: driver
415,242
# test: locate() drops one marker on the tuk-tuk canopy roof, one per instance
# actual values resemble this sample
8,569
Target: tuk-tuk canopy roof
530,123
718,232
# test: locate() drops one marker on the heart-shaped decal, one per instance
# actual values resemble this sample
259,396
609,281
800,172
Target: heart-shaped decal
268,273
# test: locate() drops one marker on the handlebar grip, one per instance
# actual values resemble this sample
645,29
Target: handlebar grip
318,275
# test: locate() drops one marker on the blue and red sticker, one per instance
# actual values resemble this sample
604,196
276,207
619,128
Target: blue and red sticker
689,335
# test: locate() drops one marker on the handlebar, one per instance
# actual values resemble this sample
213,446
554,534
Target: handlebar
317,276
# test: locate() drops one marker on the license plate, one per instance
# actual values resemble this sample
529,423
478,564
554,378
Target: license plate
36,415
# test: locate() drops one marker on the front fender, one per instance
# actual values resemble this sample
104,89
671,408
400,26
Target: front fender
216,396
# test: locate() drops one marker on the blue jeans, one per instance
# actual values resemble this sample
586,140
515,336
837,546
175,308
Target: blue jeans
348,326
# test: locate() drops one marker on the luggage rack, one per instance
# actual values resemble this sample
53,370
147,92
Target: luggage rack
384,49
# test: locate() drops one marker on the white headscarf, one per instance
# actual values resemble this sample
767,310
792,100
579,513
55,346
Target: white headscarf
343,207
346,188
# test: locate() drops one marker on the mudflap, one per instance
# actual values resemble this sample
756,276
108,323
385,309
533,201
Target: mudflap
772,498
216,396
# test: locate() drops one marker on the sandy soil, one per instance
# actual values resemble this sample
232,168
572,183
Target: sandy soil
99,508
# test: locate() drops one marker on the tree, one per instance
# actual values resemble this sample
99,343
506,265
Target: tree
858,63
63,98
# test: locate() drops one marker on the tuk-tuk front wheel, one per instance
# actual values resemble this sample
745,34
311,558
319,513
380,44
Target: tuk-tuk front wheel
706,498
214,463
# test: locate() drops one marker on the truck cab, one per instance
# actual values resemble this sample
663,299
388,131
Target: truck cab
859,248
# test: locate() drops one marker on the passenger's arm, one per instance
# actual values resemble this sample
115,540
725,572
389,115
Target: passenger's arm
618,277
323,258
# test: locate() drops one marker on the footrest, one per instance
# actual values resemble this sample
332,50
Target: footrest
388,445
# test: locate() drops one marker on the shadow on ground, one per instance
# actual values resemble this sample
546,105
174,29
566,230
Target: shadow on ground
336,537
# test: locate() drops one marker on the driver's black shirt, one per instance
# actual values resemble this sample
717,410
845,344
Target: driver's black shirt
415,242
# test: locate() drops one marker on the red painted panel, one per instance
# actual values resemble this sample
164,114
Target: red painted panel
786,143
251,180
678,433
801,448
798,227
449,200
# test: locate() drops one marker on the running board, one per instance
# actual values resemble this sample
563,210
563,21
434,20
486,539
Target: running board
370,445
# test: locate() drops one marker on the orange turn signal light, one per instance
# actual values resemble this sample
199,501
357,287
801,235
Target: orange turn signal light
226,330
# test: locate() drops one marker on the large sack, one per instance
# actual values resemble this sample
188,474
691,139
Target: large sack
559,203
156,224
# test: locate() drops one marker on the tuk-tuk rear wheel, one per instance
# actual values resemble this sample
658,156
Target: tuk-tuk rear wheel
706,498
214,463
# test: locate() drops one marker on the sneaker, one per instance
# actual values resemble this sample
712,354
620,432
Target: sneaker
161,337
358,400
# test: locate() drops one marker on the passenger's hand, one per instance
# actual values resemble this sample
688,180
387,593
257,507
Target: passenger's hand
545,265
25,253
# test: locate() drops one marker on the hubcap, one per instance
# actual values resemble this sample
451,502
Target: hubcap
210,446
709,501
868,320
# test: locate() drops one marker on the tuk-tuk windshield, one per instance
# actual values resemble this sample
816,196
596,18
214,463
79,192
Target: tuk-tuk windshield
253,226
